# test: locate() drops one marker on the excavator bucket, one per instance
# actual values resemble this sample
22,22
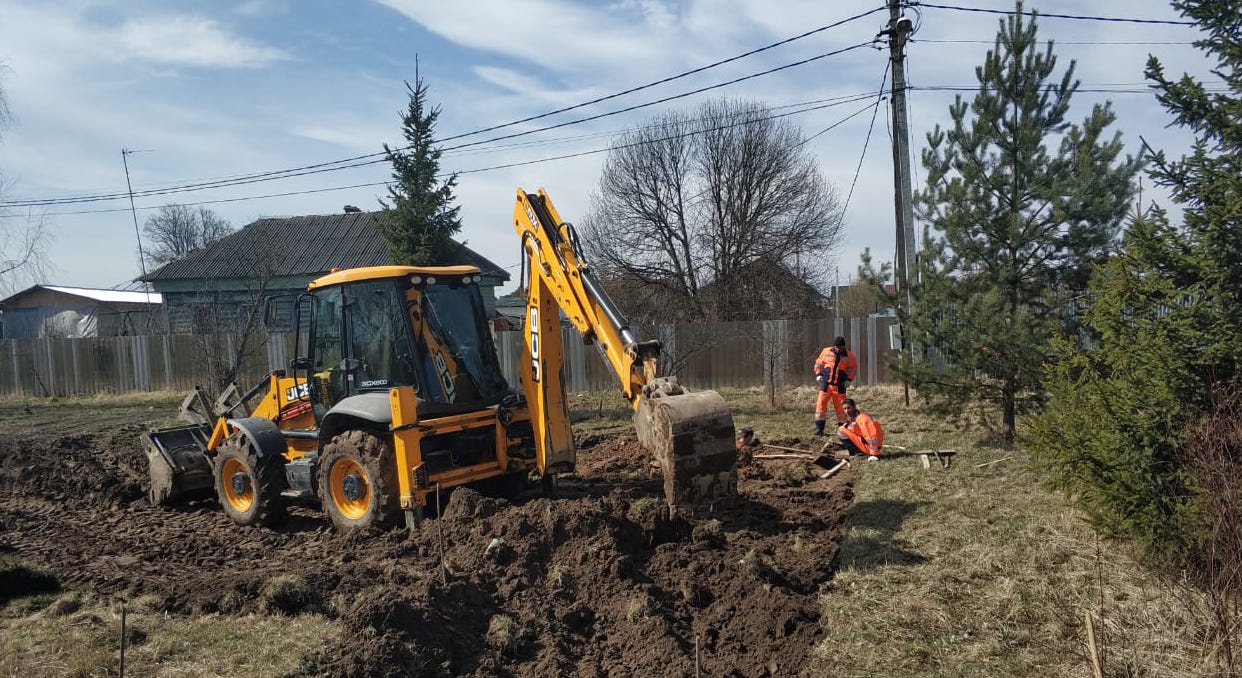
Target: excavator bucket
177,462
691,437
177,457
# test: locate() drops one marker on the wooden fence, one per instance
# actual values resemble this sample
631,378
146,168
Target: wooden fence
715,355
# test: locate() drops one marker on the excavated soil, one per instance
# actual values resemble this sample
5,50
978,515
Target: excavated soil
596,581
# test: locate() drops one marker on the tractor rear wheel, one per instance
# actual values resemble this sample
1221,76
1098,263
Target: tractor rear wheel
247,485
358,481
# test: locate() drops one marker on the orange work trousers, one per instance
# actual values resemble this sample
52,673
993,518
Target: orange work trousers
821,404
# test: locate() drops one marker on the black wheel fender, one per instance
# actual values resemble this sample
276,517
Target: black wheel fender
264,435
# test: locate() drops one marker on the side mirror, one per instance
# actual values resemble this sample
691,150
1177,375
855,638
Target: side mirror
278,314
301,363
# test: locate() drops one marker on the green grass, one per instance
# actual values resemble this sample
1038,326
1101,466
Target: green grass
83,639
978,571
19,414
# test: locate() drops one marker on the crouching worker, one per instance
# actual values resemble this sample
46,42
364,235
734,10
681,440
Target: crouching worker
860,434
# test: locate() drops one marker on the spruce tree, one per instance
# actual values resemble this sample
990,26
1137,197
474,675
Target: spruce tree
1165,315
1018,202
421,220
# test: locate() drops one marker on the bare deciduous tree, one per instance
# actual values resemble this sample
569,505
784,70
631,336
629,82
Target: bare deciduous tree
23,250
177,230
689,200
228,328
23,241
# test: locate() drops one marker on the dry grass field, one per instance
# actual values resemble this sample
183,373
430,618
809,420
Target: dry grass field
973,570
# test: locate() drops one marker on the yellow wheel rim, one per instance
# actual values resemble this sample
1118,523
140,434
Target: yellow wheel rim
350,488
240,501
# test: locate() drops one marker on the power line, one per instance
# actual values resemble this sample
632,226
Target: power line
1044,15
667,99
347,163
678,76
616,132
1097,90
1067,42
830,103
225,200
866,141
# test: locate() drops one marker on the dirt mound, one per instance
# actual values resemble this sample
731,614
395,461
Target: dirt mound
597,581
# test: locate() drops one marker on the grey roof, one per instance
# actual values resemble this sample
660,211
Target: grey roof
309,245
103,296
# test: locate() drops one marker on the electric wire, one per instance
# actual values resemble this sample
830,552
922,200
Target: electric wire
1066,42
831,102
347,163
867,140
1046,15
1097,90
336,165
365,163
667,99
673,77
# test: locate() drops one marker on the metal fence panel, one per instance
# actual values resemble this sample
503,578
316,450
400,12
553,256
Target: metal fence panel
701,355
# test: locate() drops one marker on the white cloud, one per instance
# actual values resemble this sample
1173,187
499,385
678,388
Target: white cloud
356,137
559,35
240,104
192,41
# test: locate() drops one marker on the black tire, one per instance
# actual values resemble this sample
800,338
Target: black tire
358,481
249,486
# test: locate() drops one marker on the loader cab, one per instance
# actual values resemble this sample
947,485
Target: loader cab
372,329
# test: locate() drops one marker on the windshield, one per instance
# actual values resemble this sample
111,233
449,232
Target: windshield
459,359
377,339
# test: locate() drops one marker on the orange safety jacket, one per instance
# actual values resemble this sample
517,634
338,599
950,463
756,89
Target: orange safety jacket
836,364
865,433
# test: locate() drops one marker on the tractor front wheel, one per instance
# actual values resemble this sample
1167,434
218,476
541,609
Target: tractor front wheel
358,481
247,485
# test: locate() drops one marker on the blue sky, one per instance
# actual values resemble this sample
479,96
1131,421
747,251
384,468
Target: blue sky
224,88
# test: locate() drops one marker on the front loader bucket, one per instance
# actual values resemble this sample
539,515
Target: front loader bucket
177,461
691,436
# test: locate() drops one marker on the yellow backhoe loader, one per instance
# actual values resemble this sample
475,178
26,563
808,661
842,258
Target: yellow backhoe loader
397,391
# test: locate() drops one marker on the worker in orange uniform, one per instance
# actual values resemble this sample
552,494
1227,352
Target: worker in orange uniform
835,368
860,434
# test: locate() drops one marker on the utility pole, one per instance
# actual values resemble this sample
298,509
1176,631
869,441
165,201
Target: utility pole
142,260
899,29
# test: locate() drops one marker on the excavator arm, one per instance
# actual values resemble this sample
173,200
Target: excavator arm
689,434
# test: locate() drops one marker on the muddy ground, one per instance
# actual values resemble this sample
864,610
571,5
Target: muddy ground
593,582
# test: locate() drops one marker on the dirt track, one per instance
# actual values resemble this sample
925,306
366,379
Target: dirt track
594,582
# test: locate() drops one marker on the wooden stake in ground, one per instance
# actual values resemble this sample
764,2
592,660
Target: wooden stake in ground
122,639
789,449
834,469
1095,654
440,536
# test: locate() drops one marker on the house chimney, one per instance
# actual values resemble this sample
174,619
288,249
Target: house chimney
350,209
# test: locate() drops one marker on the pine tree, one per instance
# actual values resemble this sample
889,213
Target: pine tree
1166,319
1018,202
420,222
